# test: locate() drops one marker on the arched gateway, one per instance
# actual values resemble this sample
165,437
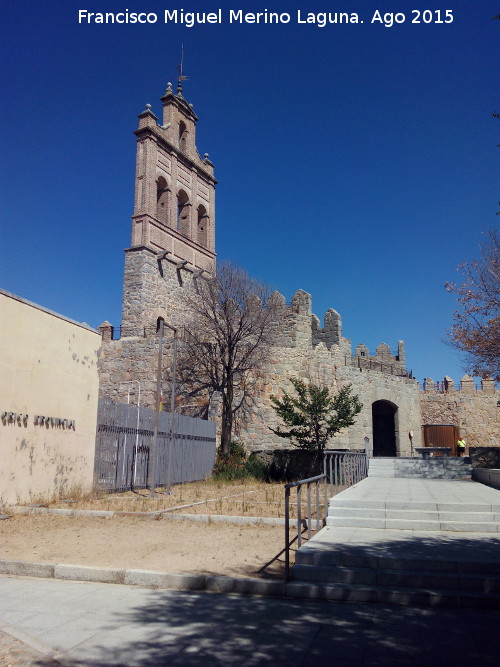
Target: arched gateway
384,428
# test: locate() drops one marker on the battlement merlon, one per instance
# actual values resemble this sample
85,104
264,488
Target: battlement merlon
466,386
383,353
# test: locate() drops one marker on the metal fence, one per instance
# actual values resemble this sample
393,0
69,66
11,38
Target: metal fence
124,445
341,470
344,469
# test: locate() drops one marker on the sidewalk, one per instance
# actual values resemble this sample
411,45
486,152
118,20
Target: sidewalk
81,623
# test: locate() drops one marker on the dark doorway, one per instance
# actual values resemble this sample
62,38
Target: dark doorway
384,428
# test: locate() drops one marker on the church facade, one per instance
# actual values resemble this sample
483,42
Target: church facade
173,246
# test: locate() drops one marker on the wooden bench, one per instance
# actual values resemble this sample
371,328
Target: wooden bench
427,451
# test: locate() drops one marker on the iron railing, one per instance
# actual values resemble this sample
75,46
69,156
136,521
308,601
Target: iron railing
344,468
320,518
341,470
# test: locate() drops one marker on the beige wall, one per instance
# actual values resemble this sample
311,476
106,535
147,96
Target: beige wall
48,369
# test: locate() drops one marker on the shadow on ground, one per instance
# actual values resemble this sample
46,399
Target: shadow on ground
174,628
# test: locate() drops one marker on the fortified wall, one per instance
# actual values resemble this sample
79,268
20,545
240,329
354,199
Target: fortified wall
173,247
301,348
476,411
322,355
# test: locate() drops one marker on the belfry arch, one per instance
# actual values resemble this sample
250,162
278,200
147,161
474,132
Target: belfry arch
183,210
202,227
162,201
384,424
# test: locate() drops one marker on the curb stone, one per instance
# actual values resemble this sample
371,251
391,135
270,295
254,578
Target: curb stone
298,590
203,518
146,578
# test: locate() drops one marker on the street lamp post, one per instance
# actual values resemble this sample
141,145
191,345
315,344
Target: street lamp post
154,452
136,446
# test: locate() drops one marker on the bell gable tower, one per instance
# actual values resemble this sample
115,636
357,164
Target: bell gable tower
173,225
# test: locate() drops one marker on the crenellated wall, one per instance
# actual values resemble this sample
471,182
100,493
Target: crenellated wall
301,348
475,411
323,360
173,246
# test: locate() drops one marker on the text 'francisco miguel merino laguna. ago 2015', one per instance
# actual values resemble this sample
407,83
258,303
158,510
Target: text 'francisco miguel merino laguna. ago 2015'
320,19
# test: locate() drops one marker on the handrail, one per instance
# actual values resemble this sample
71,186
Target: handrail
340,469
307,482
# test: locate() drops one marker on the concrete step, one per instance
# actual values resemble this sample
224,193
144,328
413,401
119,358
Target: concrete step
416,524
400,579
351,559
382,468
357,512
408,515
449,581
389,595
401,587
436,468
416,506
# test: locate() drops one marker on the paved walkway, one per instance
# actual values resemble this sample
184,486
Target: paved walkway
90,624
432,491
431,495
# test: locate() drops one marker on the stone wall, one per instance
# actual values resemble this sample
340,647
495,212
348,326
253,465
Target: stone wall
333,369
476,413
154,288
302,349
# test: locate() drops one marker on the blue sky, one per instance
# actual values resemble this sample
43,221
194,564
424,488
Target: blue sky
357,162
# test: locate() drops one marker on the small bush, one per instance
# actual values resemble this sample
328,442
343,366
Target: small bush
238,465
257,468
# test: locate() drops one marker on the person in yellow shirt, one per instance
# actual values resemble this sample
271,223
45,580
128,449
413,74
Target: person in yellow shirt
461,444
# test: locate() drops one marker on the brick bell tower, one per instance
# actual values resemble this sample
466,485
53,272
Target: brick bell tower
173,225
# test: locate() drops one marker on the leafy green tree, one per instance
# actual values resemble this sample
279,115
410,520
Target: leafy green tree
313,416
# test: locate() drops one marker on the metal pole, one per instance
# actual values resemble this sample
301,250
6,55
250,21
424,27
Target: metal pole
154,448
317,505
137,433
172,413
309,515
136,446
287,533
299,516
325,511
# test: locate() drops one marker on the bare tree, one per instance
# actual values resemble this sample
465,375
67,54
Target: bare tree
227,342
476,325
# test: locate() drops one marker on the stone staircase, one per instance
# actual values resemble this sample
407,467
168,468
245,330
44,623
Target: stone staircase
380,514
367,574
401,542
440,467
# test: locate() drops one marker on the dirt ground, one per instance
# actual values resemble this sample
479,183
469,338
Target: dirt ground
125,542
161,544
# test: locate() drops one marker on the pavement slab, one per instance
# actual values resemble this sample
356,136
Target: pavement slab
115,624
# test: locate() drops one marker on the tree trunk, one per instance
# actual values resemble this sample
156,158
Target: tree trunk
227,421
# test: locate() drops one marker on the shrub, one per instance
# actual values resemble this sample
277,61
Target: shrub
238,465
